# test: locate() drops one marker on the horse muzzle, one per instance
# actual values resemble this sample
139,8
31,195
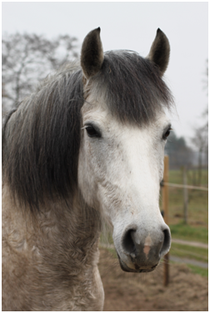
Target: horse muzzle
141,251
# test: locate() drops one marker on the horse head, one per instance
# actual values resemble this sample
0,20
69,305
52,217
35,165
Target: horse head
123,134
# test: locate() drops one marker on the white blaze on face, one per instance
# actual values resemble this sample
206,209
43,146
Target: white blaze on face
147,245
120,173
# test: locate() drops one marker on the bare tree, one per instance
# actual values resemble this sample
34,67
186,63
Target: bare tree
200,139
28,58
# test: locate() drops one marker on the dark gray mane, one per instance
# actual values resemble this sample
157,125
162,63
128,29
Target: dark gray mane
41,139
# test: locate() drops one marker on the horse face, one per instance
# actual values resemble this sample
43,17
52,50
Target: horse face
120,170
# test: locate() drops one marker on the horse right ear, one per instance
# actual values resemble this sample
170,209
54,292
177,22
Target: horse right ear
92,55
160,51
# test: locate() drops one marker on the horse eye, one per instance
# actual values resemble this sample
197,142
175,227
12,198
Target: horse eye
92,131
167,133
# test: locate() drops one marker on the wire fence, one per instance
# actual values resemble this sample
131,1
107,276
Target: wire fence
186,186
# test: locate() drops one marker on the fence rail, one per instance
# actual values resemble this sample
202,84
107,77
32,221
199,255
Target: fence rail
186,186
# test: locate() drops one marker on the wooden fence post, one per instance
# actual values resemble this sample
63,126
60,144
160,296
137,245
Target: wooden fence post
165,211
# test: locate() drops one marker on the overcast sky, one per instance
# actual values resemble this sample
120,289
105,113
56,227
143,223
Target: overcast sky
133,25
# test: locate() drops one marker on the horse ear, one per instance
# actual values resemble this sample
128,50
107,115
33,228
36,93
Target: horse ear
160,51
92,53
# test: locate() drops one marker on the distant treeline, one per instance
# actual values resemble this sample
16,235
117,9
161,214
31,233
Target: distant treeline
180,154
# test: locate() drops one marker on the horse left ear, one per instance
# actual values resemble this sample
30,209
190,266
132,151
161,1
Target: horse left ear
160,51
92,53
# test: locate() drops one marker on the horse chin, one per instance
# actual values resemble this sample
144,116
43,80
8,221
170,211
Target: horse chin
137,269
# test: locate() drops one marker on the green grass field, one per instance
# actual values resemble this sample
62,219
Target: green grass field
199,270
189,252
188,232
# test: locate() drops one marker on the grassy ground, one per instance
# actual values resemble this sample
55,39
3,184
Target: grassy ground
188,232
198,270
184,251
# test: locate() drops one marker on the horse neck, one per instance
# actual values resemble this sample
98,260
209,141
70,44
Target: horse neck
77,224
64,231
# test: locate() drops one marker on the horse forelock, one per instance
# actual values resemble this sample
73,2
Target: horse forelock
133,88
42,139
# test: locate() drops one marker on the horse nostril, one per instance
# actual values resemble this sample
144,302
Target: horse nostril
136,244
166,242
128,242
